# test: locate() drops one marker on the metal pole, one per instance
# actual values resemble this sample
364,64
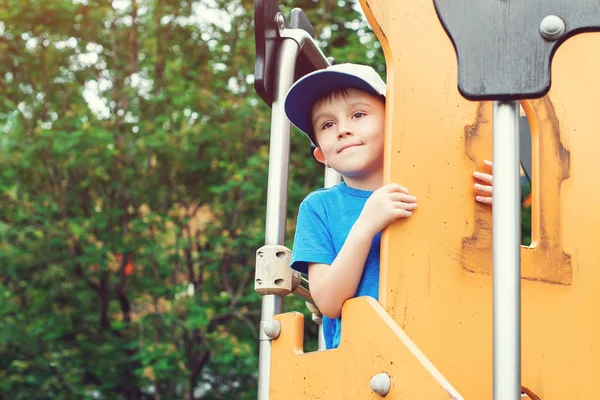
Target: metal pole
506,235
293,40
279,154
332,177
303,290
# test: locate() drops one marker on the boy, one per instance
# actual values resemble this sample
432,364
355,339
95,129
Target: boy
337,243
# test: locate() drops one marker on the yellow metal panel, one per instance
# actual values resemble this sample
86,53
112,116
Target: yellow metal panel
371,343
436,266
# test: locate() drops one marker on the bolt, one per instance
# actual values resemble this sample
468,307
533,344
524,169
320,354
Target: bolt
280,21
381,384
272,329
552,27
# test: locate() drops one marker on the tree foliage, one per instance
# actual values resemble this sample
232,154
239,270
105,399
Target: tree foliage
133,165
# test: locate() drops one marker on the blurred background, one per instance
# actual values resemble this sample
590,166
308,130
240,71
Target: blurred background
133,170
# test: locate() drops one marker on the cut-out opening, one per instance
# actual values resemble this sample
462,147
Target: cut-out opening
526,179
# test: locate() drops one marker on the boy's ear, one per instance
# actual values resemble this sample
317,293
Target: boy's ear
320,157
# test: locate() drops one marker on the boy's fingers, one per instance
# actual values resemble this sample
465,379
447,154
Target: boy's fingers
484,199
403,197
488,163
484,188
405,206
401,213
487,178
394,187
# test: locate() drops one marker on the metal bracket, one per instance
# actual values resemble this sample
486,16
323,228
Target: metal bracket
504,48
269,22
317,316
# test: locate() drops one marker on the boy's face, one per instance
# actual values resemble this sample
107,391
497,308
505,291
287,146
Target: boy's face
349,130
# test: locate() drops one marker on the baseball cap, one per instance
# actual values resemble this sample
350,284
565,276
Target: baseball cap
305,91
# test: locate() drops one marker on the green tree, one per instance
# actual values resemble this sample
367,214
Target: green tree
133,164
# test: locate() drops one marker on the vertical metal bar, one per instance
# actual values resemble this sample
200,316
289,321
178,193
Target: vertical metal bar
321,340
279,154
506,235
332,177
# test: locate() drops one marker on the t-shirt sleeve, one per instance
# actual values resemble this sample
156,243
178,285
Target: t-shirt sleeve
312,241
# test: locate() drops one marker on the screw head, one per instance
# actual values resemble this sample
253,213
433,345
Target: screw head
272,329
552,27
280,20
381,384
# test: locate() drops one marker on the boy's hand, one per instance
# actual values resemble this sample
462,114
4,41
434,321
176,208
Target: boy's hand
486,185
386,205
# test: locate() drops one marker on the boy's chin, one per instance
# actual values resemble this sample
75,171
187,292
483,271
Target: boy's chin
354,172
359,171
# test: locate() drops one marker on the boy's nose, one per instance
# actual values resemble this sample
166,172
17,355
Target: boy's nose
344,132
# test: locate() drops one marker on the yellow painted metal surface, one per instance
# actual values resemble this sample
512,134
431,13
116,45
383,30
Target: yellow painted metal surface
372,344
436,266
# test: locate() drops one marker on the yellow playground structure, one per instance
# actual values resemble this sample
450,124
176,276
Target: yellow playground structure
464,311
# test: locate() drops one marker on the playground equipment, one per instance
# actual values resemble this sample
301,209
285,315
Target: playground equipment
447,324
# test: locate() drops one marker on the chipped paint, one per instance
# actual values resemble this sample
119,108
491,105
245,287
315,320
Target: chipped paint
544,261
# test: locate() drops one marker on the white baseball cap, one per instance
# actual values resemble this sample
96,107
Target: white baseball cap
305,91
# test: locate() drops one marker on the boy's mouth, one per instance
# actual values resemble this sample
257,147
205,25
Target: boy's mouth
349,145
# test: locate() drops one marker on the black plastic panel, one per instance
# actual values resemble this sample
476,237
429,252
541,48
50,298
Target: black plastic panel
266,37
501,53
267,41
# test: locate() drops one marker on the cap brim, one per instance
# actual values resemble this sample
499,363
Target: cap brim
305,92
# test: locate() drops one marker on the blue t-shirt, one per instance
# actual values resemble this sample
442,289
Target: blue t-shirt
324,221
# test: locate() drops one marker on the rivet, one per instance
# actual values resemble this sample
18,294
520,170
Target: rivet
381,384
552,27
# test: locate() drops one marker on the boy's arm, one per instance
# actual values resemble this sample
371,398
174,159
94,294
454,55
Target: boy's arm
331,285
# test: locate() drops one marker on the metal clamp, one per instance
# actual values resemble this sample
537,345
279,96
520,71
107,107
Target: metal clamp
273,272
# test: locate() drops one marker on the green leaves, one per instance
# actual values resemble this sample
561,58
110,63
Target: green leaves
133,180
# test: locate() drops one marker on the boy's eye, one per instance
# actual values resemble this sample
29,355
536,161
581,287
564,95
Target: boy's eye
358,114
327,125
